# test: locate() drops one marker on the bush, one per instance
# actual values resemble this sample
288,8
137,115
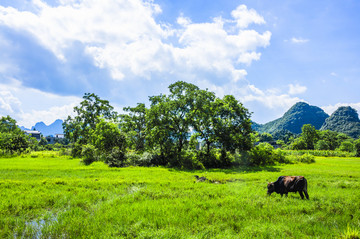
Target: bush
116,158
144,159
299,143
188,160
322,145
208,160
357,147
304,158
76,150
261,155
346,146
89,154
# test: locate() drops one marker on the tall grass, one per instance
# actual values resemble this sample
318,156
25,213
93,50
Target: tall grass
58,197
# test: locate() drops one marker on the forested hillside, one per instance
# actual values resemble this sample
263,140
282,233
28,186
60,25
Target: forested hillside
299,114
344,120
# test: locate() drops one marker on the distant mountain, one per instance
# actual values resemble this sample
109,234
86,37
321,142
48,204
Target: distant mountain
299,114
344,120
52,129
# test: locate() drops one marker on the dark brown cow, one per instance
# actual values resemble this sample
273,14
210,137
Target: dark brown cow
286,184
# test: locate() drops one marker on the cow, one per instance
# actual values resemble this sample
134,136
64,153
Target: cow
286,184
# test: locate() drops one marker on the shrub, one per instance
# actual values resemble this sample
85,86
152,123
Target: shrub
144,159
303,158
88,153
76,150
116,158
322,145
261,155
299,143
188,160
346,146
357,147
208,160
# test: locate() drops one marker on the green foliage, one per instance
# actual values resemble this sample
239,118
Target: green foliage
298,144
265,137
222,123
116,157
299,114
346,146
106,136
322,145
303,158
88,154
357,147
88,114
134,125
310,135
232,124
264,154
12,139
344,120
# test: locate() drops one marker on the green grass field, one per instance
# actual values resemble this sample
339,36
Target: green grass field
47,196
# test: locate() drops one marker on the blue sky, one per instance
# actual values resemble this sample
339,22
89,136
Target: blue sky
268,54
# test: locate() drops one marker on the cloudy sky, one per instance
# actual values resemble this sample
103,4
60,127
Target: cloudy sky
268,54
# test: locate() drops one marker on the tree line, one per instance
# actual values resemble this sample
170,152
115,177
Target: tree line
171,129
187,128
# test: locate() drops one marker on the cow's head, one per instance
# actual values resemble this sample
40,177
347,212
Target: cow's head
271,188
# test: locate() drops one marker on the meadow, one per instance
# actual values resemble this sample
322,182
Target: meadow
44,195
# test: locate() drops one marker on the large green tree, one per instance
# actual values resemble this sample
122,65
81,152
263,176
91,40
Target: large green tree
232,124
169,118
203,115
91,109
134,125
12,139
310,135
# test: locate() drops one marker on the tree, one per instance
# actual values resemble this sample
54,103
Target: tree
134,125
158,131
12,139
322,145
298,144
329,138
106,136
8,125
232,124
265,137
357,147
346,146
310,135
169,118
88,114
106,143
203,116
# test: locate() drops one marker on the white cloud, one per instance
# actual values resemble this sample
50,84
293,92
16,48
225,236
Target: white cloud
329,109
299,40
123,37
29,106
296,89
244,17
270,98
8,103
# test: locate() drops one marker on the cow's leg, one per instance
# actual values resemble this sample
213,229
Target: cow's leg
286,194
301,194
306,194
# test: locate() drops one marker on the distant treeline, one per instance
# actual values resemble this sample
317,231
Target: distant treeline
189,128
